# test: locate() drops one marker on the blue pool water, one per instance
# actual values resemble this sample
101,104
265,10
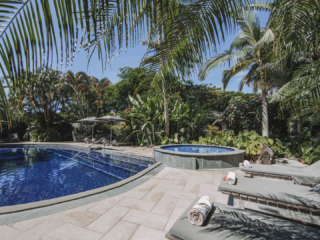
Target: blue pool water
197,149
34,174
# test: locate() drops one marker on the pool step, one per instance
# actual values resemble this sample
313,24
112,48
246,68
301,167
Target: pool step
140,163
88,165
102,162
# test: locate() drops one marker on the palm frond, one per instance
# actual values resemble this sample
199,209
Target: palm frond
220,60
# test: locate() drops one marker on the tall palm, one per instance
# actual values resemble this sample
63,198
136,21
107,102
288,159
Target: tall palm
299,34
251,50
99,91
79,84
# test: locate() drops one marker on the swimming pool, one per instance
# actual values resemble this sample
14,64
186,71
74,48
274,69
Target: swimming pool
31,174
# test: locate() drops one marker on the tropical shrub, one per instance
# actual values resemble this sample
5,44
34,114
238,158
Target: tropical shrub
309,154
147,121
121,129
243,113
38,131
251,142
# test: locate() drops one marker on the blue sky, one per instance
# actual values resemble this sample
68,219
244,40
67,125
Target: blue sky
132,58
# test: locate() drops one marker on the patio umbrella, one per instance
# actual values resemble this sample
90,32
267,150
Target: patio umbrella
89,119
111,119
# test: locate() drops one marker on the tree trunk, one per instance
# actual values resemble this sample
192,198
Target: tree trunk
166,110
265,119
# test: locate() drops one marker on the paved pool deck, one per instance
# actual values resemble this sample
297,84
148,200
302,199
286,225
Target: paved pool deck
145,210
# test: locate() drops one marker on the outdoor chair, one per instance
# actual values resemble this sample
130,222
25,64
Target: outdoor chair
227,222
13,137
308,176
296,202
122,141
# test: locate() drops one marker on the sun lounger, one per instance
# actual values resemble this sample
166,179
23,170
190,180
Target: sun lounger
125,141
227,222
13,137
277,198
308,176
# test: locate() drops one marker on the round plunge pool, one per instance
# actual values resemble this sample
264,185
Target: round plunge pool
193,156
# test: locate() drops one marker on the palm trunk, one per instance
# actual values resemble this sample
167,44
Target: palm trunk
265,119
166,110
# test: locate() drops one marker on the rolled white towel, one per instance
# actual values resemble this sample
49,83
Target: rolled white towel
231,178
247,164
199,212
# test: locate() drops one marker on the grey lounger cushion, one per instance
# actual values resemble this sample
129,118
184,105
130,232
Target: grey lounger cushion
312,171
233,223
278,191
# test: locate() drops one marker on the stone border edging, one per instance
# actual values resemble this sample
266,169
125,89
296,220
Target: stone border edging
160,149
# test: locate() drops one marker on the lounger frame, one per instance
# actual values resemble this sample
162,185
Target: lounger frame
295,212
267,175
296,180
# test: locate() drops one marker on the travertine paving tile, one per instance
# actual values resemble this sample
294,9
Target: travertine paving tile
26,225
154,195
123,230
81,218
71,232
176,213
184,203
191,187
106,221
181,194
7,232
138,204
180,181
168,186
207,176
165,205
40,230
171,175
104,205
207,189
145,233
152,220
140,191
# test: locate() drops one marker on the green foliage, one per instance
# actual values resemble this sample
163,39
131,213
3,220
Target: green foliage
251,142
147,120
212,131
39,131
309,153
121,129
36,133
243,113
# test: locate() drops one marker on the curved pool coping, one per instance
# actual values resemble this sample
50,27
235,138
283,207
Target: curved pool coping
53,201
198,160
160,149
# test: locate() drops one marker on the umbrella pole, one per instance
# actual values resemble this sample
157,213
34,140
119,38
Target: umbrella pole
111,135
92,130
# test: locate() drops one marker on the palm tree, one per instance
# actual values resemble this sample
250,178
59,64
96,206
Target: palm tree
30,37
253,51
98,89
